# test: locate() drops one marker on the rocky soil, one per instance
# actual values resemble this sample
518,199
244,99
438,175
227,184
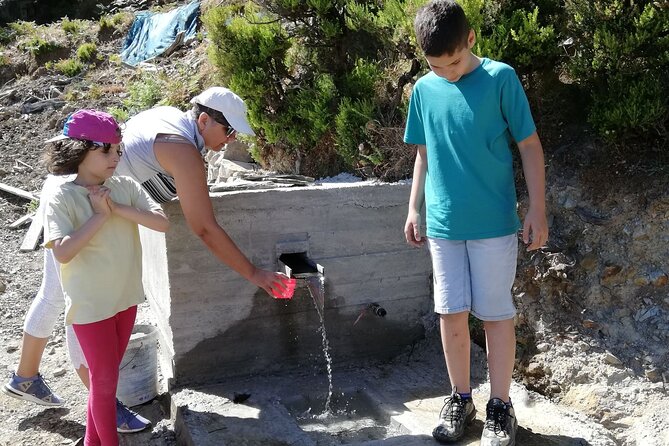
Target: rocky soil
593,323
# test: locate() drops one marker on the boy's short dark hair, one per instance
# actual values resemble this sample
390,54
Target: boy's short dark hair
63,157
441,27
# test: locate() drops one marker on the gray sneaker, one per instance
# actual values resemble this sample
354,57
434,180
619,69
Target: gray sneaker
34,389
456,414
501,424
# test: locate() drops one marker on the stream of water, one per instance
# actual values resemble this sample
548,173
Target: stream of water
316,287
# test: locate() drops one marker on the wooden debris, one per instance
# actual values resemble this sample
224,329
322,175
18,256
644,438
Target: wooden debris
41,105
33,235
21,221
18,192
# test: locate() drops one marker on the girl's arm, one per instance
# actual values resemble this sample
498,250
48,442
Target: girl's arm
66,248
412,225
155,219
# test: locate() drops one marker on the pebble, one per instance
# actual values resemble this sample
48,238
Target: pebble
612,359
543,347
654,375
59,372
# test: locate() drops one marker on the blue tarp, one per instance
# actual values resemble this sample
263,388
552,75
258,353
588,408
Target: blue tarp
151,34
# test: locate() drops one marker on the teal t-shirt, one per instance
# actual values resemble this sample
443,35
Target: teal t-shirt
467,127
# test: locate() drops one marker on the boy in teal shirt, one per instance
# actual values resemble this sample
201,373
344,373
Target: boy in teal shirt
463,116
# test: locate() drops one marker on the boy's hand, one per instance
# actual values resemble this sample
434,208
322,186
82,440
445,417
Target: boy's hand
412,230
535,229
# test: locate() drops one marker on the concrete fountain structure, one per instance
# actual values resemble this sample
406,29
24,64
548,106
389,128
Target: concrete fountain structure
214,325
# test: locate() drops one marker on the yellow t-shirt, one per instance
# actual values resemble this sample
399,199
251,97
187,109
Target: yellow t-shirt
105,277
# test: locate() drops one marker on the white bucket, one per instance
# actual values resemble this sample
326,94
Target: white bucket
138,373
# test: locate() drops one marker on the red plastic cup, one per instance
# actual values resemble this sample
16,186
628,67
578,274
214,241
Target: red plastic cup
288,291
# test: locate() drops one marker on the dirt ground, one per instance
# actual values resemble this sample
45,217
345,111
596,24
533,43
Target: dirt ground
593,323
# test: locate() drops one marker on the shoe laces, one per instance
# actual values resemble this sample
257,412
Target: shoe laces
454,409
123,411
43,386
496,419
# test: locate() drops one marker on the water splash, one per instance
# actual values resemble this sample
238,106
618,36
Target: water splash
316,286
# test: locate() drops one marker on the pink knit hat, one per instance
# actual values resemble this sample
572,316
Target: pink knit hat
91,125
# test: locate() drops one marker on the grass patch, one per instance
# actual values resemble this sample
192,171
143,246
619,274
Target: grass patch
120,114
22,28
69,67
72,26
87,52
39,47
117,22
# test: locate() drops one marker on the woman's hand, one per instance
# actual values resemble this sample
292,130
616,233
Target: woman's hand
273,283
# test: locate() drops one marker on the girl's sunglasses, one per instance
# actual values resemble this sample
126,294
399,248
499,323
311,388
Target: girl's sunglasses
106,147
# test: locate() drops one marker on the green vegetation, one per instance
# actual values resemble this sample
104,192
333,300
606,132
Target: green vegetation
87,52
515,31
72,26
117,22
69,67
6,35
39,47
22,28
325,73
120,114
620,56
174,89
313,74
32,206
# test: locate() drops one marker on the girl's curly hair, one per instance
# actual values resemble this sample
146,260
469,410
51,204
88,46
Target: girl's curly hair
63,157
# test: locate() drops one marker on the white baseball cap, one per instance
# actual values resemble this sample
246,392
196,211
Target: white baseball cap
228,103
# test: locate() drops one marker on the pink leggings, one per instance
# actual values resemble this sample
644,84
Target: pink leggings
104,343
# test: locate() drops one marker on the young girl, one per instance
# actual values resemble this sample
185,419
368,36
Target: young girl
91,225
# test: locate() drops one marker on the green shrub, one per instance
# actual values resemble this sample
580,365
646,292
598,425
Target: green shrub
314,73
87,52
143,94
69,67
39,47
517,32
22,28
620,55
120,114
72,26
116,22
6,35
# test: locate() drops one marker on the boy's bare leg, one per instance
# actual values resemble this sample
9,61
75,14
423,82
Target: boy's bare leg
501,344
32,349
456,343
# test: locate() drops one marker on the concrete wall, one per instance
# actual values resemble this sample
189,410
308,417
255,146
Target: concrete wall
214,324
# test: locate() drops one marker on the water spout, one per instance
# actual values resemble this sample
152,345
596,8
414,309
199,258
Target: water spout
299,266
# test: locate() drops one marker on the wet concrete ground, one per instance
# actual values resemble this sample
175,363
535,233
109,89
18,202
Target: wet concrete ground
391,405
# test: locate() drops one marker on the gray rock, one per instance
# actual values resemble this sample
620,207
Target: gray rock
610,358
